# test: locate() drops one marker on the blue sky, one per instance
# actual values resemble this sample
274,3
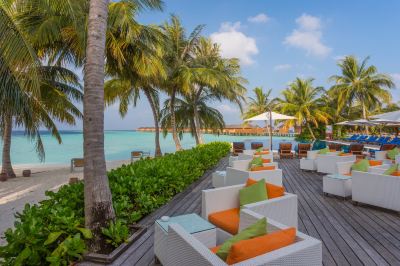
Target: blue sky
280,40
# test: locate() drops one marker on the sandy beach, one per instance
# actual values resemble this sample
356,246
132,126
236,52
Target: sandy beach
16,192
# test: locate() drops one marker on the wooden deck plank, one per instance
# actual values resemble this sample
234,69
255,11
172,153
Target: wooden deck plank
351,235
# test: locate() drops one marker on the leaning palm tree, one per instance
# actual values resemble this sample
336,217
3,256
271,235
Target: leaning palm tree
178,49
184,110
59,89
360,84
302,100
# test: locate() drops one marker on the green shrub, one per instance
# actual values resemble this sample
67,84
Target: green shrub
52,232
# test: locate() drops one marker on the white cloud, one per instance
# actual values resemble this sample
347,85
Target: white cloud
282,67
338,57
260,18
226,108
396,79
308,36
235,43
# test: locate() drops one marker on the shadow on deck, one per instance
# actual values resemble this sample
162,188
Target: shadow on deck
351,235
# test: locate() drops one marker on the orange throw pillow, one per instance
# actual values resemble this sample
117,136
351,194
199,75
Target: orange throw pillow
261,152
262,168
266,160
374,162
345,154
396,173
273,191
251,248
227,220
215,249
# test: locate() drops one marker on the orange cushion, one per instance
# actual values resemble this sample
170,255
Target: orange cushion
396,173
345,154
227,220
266,160
348,174
261,152
215,249
332,150
250,248
273,191
262,168
374,162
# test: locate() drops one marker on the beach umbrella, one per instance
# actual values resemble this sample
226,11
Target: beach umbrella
269,116
390,117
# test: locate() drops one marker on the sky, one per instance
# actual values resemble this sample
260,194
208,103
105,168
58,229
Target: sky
279,40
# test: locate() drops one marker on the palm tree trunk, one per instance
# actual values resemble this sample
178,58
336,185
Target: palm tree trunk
311,132
157,152
6,167
173,123
99,210
197,126
365,117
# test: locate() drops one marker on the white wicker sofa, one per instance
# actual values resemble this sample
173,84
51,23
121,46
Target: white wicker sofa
185,249
243,156
326,163
239,173
376,189
282,209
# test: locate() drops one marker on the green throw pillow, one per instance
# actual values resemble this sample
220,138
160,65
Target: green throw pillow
391,169
257,229
253,193
323,151
259,149
392,153
361,166
256,162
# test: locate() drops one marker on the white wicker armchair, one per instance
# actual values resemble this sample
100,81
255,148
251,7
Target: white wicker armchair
185,249
376,189
326,163
309,163
282,209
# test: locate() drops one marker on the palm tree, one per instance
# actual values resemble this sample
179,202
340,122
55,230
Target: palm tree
360,84
301,99
31,95
216,76
184,110
263,102
179,50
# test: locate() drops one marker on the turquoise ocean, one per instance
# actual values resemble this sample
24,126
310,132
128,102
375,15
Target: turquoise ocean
118,145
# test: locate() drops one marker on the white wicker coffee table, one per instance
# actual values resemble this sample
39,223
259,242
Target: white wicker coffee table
336,184
201,229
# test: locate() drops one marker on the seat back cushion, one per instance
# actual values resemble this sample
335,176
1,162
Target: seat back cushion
251,248
259,228
253,193
374,162
227,220
273,191
266,160
361,165
262,168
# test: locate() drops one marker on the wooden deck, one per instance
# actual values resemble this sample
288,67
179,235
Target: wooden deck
351,235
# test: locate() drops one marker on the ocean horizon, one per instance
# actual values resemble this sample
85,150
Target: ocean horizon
118,145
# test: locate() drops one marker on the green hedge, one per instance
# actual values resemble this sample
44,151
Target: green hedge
53,232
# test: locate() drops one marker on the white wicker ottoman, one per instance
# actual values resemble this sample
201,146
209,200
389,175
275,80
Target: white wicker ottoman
218,179
308,164
336,184
201,229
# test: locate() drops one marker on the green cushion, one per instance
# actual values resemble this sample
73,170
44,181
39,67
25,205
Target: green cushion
253,193
391,169
256,162
257,229
392,153
323,151
361,166
259,149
